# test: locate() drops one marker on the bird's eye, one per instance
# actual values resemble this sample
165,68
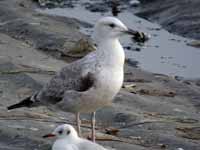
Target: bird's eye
112,25
60,132
68,132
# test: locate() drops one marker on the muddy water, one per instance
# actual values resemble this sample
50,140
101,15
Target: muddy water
164,53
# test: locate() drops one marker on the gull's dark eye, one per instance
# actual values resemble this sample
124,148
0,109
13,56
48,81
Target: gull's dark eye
112,25
60,132
68,132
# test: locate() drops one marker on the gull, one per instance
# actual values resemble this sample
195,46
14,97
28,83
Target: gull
90,83
67,139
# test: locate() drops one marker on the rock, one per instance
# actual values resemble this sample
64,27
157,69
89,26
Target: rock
156,92
51,3
178,78
189,132
128,47
80,49
134,3
128,85
194,44
174,15
59,44
198,82
132,62
137,49
96,7
187,82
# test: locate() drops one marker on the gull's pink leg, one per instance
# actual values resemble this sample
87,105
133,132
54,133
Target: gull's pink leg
93,126
78,123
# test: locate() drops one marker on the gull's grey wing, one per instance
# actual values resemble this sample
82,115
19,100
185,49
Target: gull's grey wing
75,77
69,78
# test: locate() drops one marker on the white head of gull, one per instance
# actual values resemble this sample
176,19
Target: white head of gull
67,139
108,28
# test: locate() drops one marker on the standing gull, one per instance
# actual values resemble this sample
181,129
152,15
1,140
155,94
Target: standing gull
91,82
67,139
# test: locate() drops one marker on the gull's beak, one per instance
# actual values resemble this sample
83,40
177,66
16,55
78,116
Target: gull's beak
131,32
49,135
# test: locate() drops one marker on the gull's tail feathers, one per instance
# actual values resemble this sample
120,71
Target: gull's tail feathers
27,102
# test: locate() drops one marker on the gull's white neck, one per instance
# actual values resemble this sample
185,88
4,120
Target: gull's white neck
110,52
65,143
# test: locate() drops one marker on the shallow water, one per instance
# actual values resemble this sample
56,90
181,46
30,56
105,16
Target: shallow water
164,53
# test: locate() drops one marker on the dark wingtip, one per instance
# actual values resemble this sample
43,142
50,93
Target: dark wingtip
12,107
24,103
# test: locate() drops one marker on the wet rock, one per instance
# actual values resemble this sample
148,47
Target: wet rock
96,7
178,78
134,3
198,82
194,44
154,29
176,40
181,17
128,47
137,49
51,3
116,6
187,82
132,62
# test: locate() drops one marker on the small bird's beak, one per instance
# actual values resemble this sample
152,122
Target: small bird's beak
49,135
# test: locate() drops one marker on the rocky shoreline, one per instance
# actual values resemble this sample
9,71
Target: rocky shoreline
180,17
152,111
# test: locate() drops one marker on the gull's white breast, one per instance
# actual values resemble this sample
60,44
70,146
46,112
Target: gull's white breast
62,144
109,82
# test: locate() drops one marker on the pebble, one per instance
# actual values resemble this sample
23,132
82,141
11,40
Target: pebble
134,3
194,44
